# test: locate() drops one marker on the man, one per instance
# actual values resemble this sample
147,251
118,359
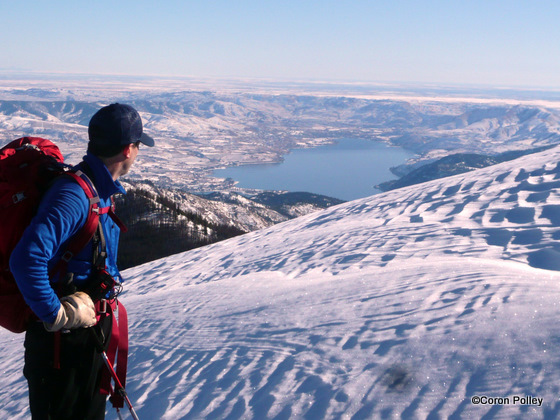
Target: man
62,362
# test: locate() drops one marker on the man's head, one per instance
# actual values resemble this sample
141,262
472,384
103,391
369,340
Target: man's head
115,133
113,127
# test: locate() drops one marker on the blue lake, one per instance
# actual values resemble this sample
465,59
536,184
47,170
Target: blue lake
347,170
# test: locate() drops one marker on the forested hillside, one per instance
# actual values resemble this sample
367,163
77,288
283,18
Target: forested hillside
157,227
162,222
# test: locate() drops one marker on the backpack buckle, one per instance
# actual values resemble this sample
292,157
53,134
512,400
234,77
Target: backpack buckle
103,306
17,197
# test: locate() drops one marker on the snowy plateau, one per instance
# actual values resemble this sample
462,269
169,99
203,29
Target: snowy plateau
412,303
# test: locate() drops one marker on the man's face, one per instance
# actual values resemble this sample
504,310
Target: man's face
130,153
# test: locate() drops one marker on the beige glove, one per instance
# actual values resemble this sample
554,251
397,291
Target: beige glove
76,311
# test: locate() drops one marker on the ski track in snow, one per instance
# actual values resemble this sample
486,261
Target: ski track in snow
401,305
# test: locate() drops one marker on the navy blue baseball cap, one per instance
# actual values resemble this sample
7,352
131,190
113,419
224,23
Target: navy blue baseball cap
117,124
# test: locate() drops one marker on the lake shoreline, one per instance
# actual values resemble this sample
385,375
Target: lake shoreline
347,169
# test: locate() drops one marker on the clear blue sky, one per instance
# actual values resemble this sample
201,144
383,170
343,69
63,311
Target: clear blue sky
512,42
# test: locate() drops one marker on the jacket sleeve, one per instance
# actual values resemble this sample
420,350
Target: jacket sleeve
62,212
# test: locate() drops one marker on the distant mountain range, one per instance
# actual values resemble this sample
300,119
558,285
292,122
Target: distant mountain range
199,131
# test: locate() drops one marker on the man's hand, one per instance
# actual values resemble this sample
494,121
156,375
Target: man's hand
76,311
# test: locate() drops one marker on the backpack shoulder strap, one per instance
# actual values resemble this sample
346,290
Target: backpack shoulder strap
86,233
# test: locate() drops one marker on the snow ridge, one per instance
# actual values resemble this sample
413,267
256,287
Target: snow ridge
404,304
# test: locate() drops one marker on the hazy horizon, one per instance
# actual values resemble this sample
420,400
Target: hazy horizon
501,43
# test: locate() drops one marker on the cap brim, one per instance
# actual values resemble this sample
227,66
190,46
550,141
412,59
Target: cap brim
147,140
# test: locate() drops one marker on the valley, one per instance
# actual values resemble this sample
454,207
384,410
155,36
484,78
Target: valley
204,125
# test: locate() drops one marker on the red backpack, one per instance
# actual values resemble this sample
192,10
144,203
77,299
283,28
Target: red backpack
27,167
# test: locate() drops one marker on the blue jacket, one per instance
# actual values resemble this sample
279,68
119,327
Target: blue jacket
61,214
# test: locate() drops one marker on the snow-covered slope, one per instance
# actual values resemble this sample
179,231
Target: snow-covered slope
405,304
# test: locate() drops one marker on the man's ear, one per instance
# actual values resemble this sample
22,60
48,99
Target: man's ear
126,151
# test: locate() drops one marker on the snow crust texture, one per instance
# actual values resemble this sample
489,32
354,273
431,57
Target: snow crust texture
403,305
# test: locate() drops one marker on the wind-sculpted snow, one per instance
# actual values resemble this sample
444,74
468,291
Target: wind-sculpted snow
403,305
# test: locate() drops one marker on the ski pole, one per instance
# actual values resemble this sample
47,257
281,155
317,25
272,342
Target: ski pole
118,386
